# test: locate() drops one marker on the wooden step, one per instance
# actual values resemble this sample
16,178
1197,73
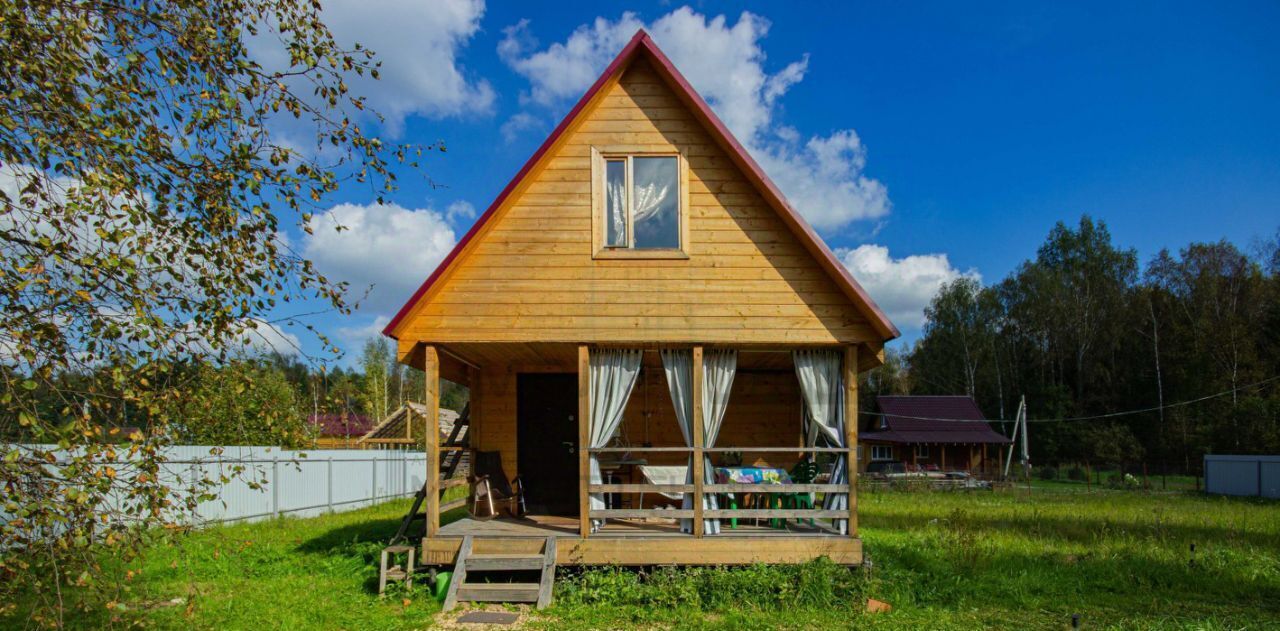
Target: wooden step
503,562
499,592
540,592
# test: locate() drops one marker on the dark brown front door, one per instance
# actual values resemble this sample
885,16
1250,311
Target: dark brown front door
547,437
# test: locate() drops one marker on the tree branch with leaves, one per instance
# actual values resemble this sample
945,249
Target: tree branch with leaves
149,163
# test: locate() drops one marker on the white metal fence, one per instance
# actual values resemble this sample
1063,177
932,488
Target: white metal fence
292,482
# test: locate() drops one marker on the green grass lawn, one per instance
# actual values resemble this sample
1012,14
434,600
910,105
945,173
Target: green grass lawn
943,560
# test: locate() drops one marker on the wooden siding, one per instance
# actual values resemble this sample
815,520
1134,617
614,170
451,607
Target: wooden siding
496,407
764,411
658,550
532,277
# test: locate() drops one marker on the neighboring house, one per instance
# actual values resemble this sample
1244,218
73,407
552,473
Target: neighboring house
339,431
404,428
945,433
631,315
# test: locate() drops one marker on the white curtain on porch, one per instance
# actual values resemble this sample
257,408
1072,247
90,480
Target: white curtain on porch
718,370
820,372
613,373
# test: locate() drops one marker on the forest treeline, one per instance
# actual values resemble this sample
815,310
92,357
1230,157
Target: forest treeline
256,399
1084,330
1081,330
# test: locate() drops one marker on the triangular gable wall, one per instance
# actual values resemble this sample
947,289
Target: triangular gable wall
756,272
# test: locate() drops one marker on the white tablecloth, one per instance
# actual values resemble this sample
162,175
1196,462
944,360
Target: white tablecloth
671,474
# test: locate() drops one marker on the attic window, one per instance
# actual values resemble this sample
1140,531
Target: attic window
639,208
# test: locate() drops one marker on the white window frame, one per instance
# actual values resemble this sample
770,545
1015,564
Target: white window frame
878,453
922,452
600,250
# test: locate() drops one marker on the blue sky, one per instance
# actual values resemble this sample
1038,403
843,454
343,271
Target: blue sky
924,141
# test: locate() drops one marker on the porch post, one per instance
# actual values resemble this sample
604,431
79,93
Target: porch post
584,441
431,399
851,433
697,441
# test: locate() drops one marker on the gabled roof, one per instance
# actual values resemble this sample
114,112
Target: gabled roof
642,44
341,424
397,425
932,419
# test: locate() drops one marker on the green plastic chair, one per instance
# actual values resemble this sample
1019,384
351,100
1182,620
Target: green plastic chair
804,472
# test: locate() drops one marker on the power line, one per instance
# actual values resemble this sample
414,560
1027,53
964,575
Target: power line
1071,419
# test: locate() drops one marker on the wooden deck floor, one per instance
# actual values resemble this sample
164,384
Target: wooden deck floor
559,526
635,542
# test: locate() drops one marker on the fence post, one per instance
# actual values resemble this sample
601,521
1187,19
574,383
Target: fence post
329,486
194,491
275,486
373,494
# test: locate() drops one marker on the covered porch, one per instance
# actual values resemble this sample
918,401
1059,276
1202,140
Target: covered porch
639,484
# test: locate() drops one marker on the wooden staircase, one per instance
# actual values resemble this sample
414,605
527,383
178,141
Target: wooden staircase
455,449
469,560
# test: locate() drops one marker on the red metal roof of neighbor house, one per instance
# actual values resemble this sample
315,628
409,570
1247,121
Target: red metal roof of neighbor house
641,43
932,419
341,424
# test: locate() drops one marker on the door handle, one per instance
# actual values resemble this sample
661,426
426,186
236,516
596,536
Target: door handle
567,445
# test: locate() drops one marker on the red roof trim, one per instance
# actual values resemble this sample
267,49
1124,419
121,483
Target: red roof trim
797,223
617,63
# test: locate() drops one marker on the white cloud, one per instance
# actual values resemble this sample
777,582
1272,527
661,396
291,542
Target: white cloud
384,246
822,176
418,44
354,337
460,211
902,287
265,337
517,125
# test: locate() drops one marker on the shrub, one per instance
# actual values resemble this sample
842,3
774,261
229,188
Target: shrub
1127,481
1048,473
1076,473
818,584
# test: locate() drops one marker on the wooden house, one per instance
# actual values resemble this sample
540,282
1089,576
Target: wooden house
338,431
931,433
406,426
640,315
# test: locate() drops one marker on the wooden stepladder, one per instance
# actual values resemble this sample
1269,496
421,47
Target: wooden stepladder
455,449
469,561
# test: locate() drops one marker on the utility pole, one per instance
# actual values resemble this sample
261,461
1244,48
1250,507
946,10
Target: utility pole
1020,441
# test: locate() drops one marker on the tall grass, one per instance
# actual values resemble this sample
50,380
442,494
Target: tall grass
981,559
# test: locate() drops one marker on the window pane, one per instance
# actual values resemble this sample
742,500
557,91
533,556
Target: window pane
615,214
655,204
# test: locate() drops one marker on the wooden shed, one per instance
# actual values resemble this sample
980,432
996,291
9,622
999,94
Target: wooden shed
654,340
406,426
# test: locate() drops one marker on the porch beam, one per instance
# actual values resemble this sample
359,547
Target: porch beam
476,415
431,400
851,433
698,441
584,440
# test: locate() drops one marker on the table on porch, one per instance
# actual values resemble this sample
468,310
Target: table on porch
749,475
678,474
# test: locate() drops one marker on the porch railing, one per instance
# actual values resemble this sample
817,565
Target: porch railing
699,489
